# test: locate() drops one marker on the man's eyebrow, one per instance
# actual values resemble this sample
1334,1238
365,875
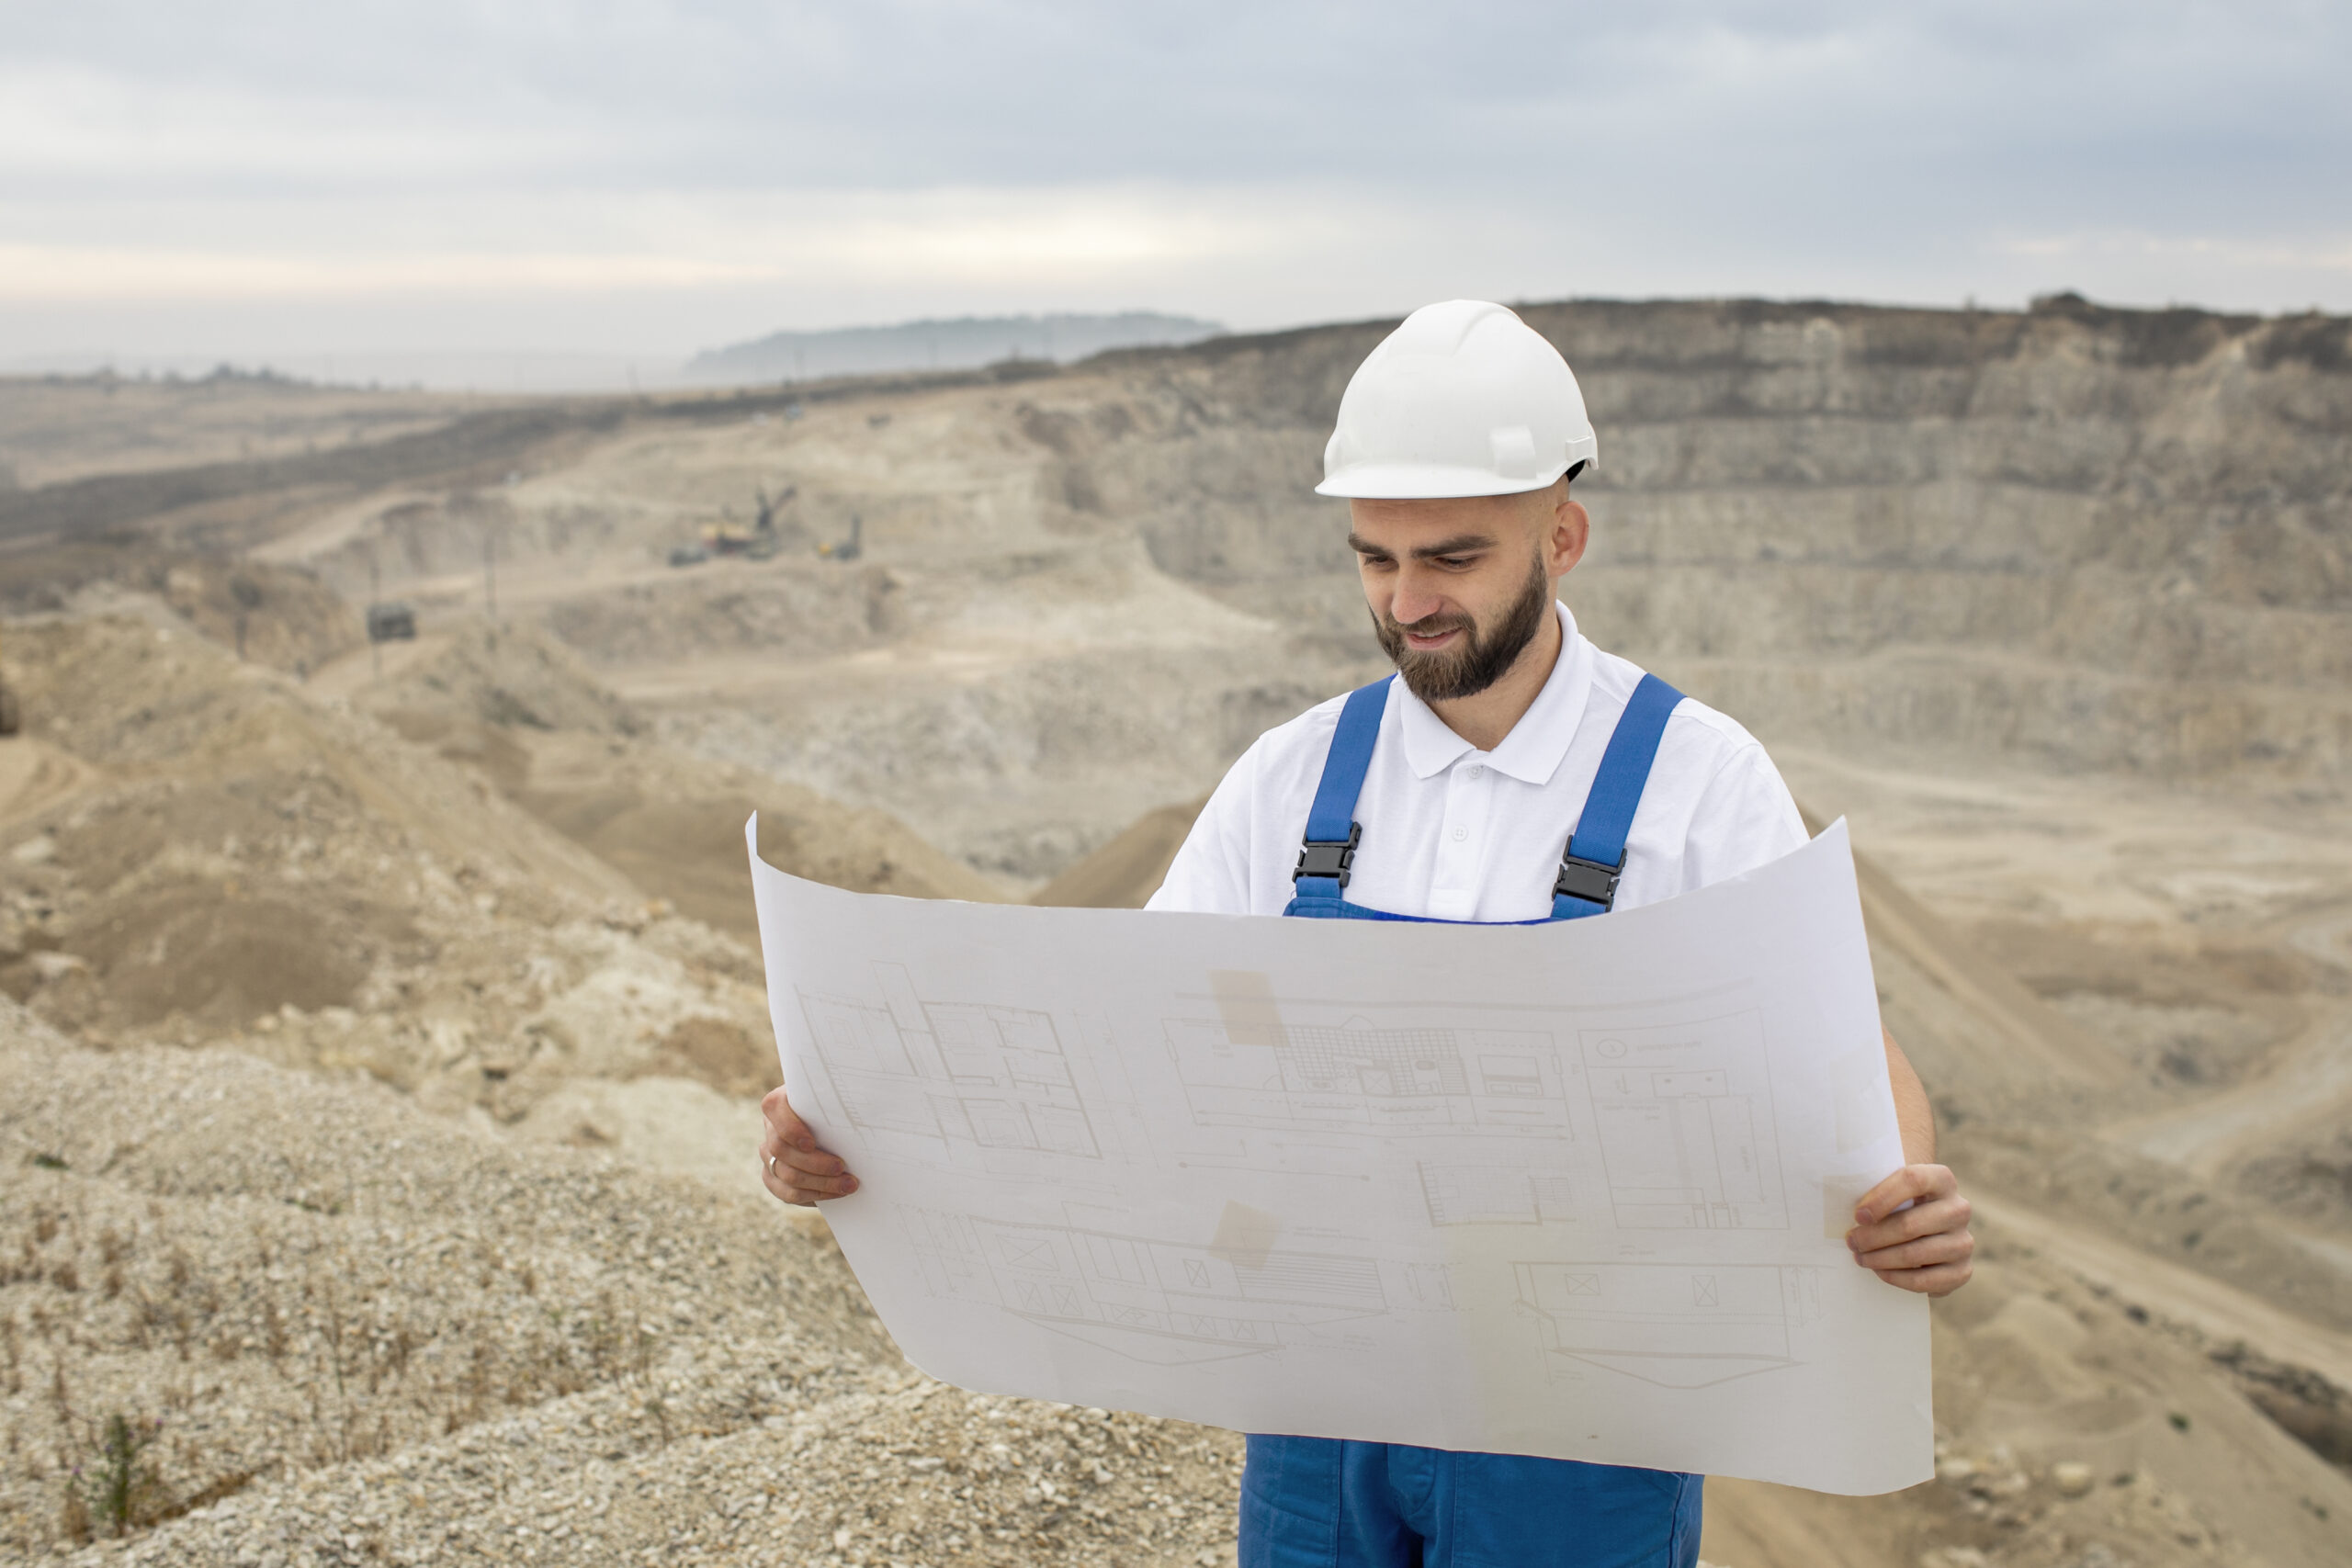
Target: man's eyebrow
1460,545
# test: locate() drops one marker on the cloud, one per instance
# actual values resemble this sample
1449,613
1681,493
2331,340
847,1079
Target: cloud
31,272
982,237
71,126
2094,246
1256,162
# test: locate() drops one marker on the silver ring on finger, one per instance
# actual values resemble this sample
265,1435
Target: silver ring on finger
771,1165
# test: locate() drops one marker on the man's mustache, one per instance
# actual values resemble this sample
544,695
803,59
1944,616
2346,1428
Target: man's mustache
1429,626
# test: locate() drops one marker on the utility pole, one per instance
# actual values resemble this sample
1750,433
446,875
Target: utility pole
489,577
246,594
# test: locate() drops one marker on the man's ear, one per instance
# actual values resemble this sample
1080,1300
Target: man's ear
1570,532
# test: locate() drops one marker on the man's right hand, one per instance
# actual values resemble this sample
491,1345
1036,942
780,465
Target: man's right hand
791,1164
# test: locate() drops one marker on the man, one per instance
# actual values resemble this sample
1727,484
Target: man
1511,772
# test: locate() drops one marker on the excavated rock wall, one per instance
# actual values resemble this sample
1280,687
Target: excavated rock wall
2078,537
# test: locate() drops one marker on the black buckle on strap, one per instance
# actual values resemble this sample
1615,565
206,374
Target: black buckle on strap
1593,881
1328,857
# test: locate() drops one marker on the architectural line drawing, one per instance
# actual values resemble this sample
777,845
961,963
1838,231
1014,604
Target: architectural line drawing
1159,1302
1465,1193
1677,1326
1357,1076
1299,1175
1685,1119
1428,1286
990,1077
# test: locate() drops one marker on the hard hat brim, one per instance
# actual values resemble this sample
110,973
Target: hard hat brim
1428,481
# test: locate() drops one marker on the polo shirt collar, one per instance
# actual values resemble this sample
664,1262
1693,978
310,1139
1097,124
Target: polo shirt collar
1532,752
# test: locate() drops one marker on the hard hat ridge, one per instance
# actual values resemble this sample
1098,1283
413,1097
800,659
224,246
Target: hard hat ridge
1438,329
1463,398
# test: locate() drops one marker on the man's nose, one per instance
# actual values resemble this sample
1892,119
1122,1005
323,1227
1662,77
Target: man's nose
1416,598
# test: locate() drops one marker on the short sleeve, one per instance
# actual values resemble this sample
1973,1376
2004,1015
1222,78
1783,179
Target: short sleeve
1745,817
1210,875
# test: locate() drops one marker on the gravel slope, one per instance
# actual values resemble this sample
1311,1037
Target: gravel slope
369,1334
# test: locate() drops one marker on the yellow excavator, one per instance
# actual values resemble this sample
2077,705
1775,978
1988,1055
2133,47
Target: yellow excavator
758,541
761,541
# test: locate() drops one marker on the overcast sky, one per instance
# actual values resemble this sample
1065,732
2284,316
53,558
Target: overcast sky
647,177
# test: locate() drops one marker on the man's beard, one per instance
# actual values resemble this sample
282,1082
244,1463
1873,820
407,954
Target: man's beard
1479,661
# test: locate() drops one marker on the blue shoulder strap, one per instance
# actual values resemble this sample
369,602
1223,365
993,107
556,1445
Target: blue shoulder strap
1331,830
1596,853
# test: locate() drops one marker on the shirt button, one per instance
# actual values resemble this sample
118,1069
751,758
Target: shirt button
1460,834
1477,770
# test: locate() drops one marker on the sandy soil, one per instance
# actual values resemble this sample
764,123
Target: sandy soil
2074,1350
2205,932
478,909
58,428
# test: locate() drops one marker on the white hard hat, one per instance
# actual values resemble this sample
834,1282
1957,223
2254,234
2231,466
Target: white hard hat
1463,398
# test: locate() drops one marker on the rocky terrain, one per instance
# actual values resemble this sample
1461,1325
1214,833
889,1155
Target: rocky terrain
335,1326
380,1091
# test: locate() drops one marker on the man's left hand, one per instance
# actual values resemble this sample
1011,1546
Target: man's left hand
1925,1247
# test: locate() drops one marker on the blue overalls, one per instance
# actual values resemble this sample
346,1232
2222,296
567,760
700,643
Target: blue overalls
1324,1503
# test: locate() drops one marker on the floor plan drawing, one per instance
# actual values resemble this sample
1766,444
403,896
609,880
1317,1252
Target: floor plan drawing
1428,1286
1152,1300
1357,1076
970,1076
1466,1193
1673,1324
1685,1119
1521,1189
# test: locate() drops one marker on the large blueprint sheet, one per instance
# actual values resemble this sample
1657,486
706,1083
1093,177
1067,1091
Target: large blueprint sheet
1574,1190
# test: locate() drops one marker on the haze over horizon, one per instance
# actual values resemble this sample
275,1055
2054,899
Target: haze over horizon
267,183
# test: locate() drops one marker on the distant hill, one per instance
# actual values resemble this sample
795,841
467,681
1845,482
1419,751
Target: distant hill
960,344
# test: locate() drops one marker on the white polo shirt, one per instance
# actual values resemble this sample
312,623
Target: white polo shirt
1454,833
